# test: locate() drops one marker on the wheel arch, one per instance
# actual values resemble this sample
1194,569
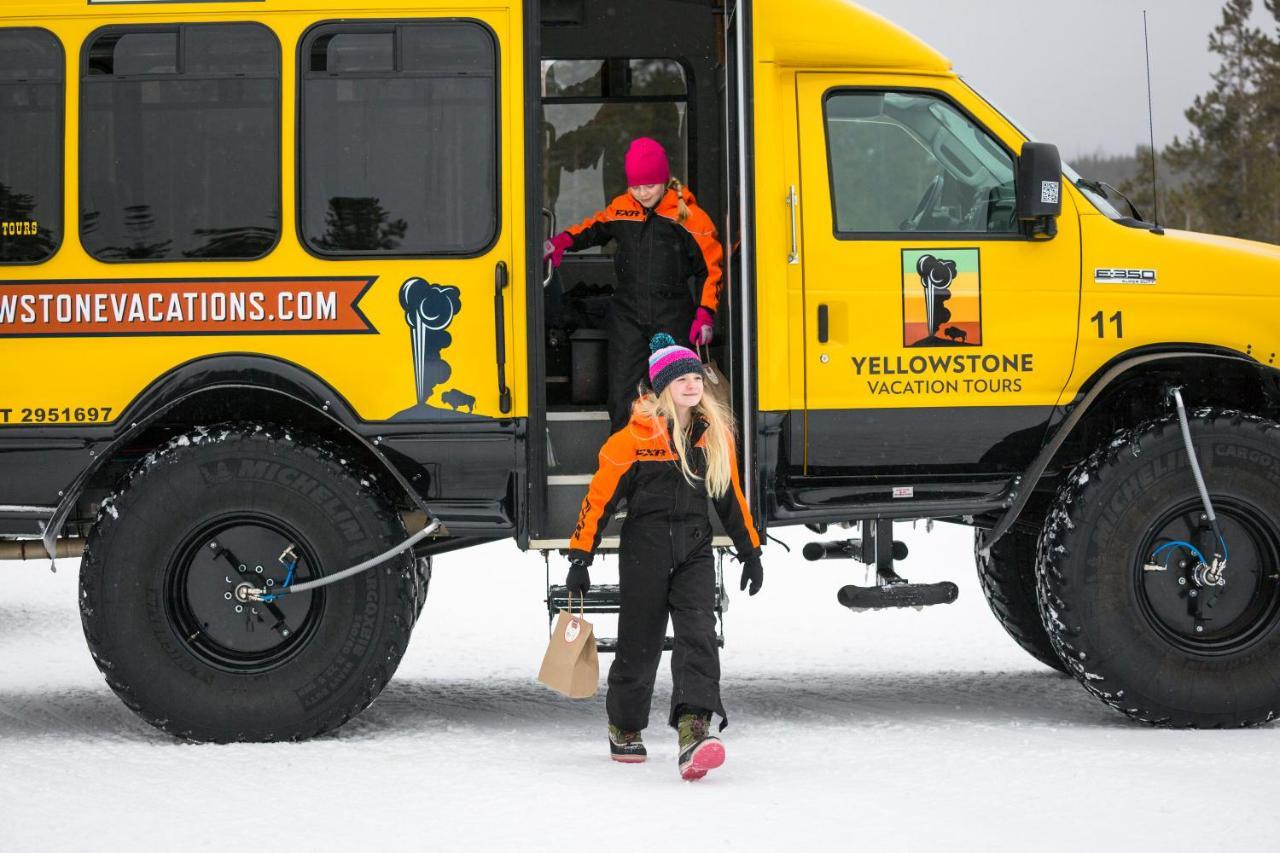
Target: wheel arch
1133,387
228,387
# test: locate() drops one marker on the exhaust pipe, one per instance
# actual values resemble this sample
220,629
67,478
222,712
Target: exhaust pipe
847,549
850,549
33,549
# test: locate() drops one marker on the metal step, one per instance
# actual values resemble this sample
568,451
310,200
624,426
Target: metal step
564,501
607,599
609,645
574,439
609,543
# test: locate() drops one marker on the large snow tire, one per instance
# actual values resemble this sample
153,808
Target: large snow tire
421,584
207,513
1008,579
1128,626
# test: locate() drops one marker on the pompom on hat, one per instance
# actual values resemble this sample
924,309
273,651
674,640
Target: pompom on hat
646,163
668,360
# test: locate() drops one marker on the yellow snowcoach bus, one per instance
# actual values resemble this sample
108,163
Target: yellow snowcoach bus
275,330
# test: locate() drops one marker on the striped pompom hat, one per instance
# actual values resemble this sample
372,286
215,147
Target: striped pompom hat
669,361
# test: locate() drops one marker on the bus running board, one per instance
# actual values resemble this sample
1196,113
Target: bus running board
859,598
877,548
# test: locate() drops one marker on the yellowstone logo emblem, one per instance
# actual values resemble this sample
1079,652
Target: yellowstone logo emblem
429,310
941,298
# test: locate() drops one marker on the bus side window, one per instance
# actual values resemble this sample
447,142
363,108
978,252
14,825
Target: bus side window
399,152
180,143
905,162
31,144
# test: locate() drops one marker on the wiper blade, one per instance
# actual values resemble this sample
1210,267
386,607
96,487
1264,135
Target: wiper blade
1111,194
1096,186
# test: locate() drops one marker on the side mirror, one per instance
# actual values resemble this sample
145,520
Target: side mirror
1039,188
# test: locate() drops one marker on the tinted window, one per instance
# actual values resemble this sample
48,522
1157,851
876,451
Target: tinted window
593,108
399,139
180,143
913,163
345,53
31,97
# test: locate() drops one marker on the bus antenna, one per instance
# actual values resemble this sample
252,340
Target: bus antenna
1151,127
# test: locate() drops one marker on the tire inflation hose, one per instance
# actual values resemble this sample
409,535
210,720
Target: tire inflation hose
1195,469
261,595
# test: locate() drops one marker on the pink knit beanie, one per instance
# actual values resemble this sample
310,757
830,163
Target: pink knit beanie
668,360
647,163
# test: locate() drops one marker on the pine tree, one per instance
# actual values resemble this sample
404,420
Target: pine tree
1269,111
1177,205
1230,156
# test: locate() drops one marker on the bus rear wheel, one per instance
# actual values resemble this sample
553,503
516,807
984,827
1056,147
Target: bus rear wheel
1123,593
1008,578
217,513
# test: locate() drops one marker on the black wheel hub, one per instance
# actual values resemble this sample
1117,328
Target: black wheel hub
1182,605
207,594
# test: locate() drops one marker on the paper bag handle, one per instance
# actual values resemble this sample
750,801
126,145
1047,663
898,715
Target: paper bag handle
582,603
705,358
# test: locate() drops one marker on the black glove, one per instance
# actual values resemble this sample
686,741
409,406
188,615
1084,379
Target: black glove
753,573
578,581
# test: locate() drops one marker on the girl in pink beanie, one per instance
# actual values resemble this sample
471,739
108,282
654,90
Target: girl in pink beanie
668,267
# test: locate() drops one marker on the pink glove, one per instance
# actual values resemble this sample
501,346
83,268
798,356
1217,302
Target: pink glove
556,246
700,331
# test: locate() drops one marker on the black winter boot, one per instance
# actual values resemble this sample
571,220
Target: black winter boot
700,751
626,747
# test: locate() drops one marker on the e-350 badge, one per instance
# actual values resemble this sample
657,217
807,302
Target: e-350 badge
1119,275
941,298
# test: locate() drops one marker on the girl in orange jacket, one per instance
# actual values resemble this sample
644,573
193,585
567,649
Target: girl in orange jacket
676,451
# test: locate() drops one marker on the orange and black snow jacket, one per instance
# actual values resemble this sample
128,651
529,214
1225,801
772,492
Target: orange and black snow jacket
657,255
638,463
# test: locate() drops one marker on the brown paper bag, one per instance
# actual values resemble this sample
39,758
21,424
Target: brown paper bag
714,374
571,665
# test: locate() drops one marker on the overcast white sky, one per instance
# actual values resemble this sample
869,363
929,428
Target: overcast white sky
1072,72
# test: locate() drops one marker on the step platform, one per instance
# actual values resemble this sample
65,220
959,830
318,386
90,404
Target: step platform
607,599
897,595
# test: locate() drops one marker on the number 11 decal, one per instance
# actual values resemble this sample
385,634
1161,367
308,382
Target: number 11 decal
1116,318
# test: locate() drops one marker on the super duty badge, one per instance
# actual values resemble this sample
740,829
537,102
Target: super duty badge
1107,275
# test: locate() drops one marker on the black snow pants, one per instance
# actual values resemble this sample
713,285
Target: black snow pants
629,328
665,570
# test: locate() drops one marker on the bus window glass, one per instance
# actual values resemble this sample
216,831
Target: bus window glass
447,49
231,49
348,53
911,162
592,110
145,53
182,166
404,161
31,97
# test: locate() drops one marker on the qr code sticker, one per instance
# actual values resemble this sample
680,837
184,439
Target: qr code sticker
1048,192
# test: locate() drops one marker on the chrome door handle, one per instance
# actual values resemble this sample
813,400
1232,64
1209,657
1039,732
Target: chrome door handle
793,202
550,217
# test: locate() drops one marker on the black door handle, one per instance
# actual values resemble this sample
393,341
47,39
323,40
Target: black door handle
822,324
500,332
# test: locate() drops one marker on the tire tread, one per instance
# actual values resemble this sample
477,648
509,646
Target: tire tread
325,453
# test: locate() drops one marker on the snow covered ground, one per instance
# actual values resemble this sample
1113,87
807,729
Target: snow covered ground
874,731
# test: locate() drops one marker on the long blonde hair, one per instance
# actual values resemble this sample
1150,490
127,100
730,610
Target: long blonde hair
682,209
718,442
